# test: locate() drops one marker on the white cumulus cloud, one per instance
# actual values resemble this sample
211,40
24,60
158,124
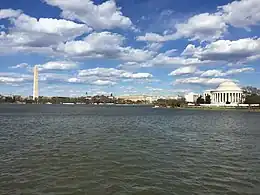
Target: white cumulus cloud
103,82
103,44
9,13
112,72
221,73
22,65
58,65
212,26
183,71
225,50
244,13
204,26
201,81
103,16
29,33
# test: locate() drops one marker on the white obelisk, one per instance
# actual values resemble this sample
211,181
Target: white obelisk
35,83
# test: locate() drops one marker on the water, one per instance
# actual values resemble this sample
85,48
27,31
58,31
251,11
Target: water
55,149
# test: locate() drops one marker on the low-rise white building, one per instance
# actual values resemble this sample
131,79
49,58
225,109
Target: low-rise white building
136,98
191,97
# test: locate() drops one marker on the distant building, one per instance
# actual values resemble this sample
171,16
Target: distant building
88,97
191,97
227,92
136,98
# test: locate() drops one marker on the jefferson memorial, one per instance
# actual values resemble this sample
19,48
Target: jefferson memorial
227,92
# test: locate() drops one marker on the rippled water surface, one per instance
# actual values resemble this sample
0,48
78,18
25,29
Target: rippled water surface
55,149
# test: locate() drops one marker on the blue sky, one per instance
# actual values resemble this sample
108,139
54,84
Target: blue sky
165,47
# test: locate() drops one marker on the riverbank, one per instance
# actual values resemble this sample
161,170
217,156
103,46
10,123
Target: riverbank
222,109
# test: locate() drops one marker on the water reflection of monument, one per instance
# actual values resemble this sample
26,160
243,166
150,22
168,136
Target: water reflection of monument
35,83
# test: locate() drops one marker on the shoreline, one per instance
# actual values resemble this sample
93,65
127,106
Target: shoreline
221,109
150,105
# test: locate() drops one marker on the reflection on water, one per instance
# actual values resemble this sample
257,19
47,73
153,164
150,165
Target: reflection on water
48,149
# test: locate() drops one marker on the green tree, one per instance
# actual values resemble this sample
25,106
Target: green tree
208,99
252,99
200,100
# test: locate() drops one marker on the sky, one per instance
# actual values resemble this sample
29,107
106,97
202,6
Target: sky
125,47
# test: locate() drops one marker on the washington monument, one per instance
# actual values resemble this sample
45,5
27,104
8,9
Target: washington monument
35,83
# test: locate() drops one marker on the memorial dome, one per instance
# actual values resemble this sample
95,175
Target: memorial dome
228,86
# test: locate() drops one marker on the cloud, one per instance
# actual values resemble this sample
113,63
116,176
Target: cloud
202,27
154,37
53,77
22,65
11,80
130,65
225,50
212,26
212,73
29,33
58,65
154,89
103,82
183,71
112,72
49,26
98,82
189,50
206,27
244,13
163,59
103,44
14,78
104,16
107,76
9,13
154,46
201,81
221,73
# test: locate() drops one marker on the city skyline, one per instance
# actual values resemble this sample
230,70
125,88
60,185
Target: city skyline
128,47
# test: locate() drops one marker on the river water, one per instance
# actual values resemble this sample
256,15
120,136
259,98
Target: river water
56,149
